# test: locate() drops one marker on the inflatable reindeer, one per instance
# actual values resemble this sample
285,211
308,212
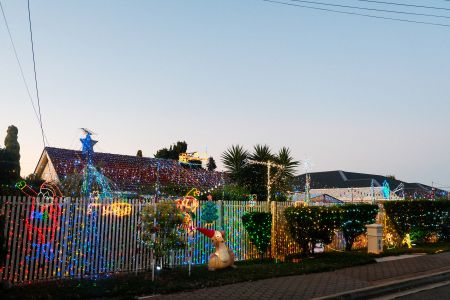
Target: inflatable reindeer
222,257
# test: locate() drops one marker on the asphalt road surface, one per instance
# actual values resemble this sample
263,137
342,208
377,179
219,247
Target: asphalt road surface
438,293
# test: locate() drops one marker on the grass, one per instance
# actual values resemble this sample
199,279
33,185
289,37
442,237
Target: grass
126,286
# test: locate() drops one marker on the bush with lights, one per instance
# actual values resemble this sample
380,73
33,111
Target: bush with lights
228,192
309,225
258,226
421,219
168,220
354,218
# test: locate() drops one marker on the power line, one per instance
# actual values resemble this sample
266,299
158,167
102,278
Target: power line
35,73
358,14
373,9
19,64
405,5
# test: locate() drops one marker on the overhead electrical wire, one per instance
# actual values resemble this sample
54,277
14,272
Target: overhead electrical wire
358,14
35,73
20,66
373,9
405,5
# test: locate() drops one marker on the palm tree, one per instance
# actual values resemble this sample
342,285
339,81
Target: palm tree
285,159
262,153
235,162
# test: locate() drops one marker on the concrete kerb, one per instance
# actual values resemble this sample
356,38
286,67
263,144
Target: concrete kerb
391,287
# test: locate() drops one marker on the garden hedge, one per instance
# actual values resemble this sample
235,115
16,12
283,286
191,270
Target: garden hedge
420,218
354,218
311,224
259,227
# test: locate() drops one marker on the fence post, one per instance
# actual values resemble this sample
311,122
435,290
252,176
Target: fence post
273,230
220,223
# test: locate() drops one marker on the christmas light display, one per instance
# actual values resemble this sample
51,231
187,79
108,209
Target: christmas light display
209,211
188,205
252,200
354,218
310,225
407,240
270,180
420,219
119,209
258,226
48,212
386,190
222,257
130,174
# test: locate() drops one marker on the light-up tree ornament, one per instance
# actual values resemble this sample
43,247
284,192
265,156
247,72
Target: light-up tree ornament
88,153
92,178
209,211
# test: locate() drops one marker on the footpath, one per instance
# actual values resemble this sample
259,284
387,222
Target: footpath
361,282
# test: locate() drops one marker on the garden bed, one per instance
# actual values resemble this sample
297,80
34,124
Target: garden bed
126,286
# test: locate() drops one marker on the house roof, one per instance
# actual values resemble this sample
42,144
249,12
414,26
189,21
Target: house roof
129,173
344,179
318,198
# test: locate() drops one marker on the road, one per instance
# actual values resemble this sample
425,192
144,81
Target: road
437,293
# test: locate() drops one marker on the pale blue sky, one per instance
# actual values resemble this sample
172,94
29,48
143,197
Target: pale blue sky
347,92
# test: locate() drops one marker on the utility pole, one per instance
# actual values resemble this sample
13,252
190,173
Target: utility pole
268,164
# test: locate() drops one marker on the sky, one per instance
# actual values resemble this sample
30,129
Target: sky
345,92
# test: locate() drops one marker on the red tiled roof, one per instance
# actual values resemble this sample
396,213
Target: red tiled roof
131,172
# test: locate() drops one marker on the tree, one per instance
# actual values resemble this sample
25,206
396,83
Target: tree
139,153
254,176
168,219
10,157
211,165
258,173
173,152
234,160
284,181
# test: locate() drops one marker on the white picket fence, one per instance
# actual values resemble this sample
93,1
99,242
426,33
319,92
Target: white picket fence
64,238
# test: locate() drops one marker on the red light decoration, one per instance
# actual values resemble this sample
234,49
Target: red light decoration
47,212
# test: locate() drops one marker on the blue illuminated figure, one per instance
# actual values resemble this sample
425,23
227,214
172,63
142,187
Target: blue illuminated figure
88,154
386,190
92,176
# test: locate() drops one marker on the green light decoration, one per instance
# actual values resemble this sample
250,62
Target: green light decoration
209,212
354,218
258,226
420,219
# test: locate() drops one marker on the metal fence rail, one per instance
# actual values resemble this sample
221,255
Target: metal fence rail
69,237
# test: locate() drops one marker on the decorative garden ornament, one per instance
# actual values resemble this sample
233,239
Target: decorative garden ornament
223,257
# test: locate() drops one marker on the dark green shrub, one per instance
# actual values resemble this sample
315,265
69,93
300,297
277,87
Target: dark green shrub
312,224
354,218
259,227
420,218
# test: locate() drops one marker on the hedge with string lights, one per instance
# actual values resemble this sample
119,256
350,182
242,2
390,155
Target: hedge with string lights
309,225
258,226
421,219
354,218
